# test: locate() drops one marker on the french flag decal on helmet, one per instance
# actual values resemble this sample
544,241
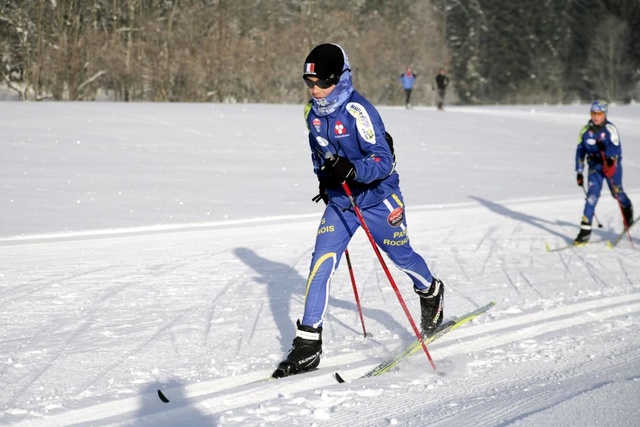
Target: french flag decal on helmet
309,68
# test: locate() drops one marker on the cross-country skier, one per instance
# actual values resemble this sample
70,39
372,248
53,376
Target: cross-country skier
349,144
442,81
599,142
408,79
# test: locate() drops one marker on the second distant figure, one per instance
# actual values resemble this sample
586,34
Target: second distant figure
442,81
408,78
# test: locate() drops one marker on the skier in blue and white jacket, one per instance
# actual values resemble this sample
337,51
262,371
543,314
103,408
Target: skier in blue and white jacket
349,144
599,143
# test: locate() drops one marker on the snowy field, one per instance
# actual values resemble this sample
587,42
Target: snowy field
166,246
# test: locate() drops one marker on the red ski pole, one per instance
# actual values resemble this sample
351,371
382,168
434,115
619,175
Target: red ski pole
347,190
355,290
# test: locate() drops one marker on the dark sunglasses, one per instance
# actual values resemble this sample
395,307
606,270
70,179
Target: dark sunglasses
321,83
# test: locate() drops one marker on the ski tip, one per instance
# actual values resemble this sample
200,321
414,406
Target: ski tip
547,247
339,378
162,397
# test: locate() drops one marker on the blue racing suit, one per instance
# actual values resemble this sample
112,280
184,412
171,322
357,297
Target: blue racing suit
596,144
353,129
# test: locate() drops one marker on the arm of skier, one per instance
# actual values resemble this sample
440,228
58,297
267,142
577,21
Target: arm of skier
377,160
581,151
377,163
613,149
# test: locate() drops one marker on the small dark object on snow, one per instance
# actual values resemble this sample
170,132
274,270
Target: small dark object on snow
163,397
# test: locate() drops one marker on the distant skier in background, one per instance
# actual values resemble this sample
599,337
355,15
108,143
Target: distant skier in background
349,144
599,143
442,81
408,79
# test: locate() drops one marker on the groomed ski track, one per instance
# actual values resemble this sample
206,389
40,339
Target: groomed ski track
220,396
565,324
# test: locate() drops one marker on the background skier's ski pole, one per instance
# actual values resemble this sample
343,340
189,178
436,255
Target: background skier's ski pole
355,290
347,190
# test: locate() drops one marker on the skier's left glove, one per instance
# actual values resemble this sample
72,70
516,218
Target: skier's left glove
339,169
609,167
580,179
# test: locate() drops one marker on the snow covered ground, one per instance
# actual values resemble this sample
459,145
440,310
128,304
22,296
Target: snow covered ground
166,246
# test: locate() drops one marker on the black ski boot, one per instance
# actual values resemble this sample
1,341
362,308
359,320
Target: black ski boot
431,307
584,235
627,214
305,354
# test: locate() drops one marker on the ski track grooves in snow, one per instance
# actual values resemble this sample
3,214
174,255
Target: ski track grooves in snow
495,334
218,396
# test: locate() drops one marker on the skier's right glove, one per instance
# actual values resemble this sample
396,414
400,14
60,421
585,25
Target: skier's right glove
580,179
339,169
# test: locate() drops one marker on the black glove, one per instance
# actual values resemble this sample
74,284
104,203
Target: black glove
322,195
339,169
580,179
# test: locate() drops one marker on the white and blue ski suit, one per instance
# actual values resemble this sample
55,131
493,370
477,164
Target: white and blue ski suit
591,140
345,124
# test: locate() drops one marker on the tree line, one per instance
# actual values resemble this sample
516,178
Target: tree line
544,50
253,50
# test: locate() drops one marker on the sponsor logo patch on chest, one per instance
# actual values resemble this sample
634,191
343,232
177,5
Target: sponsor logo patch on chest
316,124
340,129
322,142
